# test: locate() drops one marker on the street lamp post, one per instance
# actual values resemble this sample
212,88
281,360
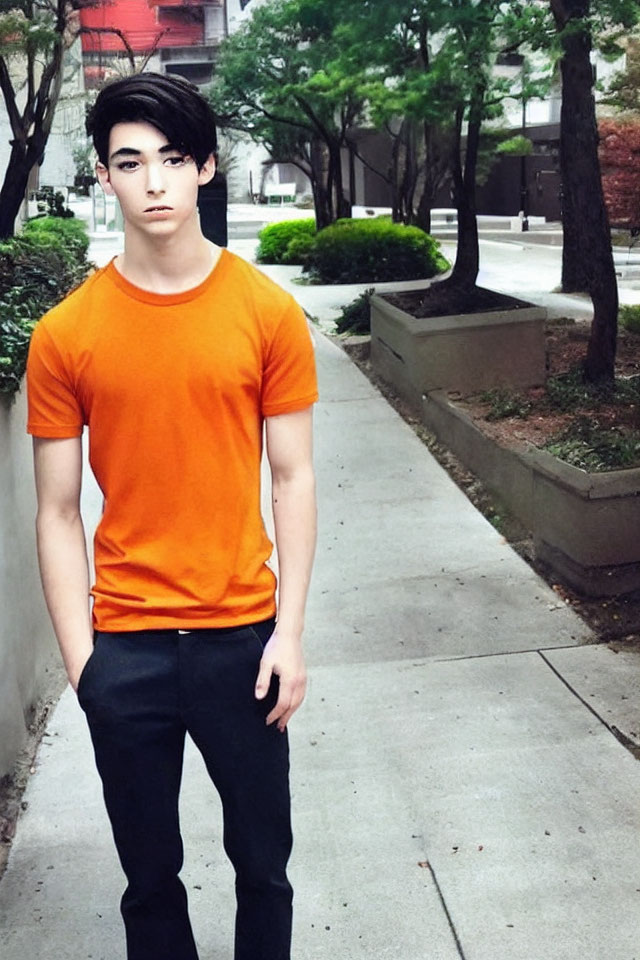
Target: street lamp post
524,190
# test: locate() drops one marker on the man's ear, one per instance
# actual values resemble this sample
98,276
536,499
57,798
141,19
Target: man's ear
103,178
207,170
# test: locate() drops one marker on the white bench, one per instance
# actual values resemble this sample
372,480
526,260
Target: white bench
280,192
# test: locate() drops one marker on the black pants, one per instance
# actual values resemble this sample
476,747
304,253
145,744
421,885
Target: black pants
142,692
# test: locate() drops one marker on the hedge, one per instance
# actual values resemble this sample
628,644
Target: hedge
37,269
367,251
278,241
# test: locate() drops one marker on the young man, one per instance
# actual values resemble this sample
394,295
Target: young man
175,356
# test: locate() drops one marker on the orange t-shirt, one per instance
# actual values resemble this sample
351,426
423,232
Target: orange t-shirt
174,389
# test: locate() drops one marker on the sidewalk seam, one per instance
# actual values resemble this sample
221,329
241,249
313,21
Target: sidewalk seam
514,653
613,730
443,902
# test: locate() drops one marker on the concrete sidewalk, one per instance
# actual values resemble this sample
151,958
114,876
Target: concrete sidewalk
454,793
458,789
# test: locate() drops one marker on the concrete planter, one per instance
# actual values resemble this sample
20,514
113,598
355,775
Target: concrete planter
27,645
468,353
585,526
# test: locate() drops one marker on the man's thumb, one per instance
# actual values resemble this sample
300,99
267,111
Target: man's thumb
263,681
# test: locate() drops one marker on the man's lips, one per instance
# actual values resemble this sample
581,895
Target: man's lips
156,208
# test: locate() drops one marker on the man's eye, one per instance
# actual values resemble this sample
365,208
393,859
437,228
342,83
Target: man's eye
128,165
178,161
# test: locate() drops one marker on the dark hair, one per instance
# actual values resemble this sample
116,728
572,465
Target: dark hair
171,104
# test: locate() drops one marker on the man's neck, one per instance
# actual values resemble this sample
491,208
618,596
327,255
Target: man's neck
167,265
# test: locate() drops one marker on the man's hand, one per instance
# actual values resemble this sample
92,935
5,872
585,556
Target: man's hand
77,665
283,657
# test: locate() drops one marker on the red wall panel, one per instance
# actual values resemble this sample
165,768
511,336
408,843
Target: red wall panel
141,24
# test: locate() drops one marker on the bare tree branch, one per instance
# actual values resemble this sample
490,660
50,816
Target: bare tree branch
119,34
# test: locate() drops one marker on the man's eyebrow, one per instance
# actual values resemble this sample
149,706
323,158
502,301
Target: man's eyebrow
132,152
125,152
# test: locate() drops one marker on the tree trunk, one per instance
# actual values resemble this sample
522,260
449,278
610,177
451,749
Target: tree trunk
322,204
30,131
423,214
589,231
467,265
14,188
574,273
394,175
341,205
408,184
318,176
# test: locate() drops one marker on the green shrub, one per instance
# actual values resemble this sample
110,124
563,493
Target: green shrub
361,251
629,318
587,445
569,391
276,238
37,269
504,403
356,316
68,236
299,249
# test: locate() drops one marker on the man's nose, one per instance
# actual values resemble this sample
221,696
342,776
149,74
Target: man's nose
155,180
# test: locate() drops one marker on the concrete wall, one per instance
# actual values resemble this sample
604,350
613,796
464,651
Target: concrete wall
467,353
27,645
585,526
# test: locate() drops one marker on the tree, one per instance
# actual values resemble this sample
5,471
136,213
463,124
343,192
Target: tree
425,70
34,35
623,91
273,82
388,51
568,31
585,220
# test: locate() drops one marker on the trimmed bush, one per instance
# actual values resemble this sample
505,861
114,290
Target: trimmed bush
276,239
69,237
629,317
299,249
356,316
364,251
37,269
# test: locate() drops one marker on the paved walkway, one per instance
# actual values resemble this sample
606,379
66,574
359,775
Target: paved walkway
457,792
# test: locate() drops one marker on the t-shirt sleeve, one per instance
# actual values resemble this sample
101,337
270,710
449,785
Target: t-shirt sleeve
289,381
54,410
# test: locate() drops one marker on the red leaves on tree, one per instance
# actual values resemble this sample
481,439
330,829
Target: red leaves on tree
620,165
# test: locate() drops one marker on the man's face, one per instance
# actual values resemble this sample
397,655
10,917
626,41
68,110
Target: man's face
156,185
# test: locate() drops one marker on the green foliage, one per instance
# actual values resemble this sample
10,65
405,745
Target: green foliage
629,318
69,236
37,269
360,251
83,155
518,146
504,403
623,91
277,241
587,445
356,316
570,391
299,249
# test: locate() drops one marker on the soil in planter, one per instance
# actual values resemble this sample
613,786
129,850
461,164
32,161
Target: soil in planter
535,416
441,300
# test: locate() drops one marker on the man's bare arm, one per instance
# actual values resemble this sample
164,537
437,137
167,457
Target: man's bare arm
289,450
62,550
